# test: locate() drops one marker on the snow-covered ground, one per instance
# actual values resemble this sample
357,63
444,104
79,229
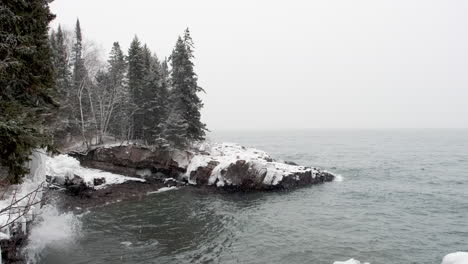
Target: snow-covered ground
66,166
456,258
228,153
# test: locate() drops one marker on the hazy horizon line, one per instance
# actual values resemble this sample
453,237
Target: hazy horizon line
331,128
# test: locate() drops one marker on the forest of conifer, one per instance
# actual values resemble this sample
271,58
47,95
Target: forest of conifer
134,96
56,90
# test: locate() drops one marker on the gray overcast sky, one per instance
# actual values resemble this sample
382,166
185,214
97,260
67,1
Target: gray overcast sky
305,64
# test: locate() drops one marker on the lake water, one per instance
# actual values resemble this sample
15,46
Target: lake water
404,199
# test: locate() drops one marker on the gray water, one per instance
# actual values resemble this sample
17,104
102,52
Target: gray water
404,199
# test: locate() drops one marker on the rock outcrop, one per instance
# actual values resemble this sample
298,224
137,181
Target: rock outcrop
223,165
136,161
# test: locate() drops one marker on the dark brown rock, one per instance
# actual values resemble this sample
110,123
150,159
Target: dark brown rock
131,160
202,174
76,186
127,160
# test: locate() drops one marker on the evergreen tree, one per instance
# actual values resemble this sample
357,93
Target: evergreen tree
136,75
63,83
81,104
118,121
166,82
145,110
175,129
156,95
63,74
117,65
147,59
26,81
79,69
53,44
185,102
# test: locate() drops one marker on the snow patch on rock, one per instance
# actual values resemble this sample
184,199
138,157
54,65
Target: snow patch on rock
226,154
66,166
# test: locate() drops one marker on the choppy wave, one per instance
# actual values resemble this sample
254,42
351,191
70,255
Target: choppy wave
52,229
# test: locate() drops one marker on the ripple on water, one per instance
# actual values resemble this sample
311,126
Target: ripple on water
387,210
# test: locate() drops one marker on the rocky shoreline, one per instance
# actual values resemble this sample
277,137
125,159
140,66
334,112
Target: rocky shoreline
228,166
97,179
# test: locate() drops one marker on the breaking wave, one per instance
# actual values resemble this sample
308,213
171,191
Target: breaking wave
51,229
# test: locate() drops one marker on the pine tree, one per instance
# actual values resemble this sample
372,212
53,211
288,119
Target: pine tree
66,120
62,68
136,75
175,128
53,44
155,107
166,75
79,69
184,100
118,120
26,81
82,104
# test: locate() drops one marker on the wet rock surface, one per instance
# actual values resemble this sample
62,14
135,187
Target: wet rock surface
131,159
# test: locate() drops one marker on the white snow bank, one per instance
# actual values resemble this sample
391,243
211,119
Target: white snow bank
64,165
350,261
163,189
228,153
456,258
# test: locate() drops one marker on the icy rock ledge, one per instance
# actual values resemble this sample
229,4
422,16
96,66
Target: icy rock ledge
232,165
225,165
65,171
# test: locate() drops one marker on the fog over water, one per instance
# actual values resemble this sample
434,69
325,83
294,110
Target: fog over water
305,64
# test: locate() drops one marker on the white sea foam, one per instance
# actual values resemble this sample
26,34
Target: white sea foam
51,229
163,189
350,261
126,243
31,183
456,258
338,178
